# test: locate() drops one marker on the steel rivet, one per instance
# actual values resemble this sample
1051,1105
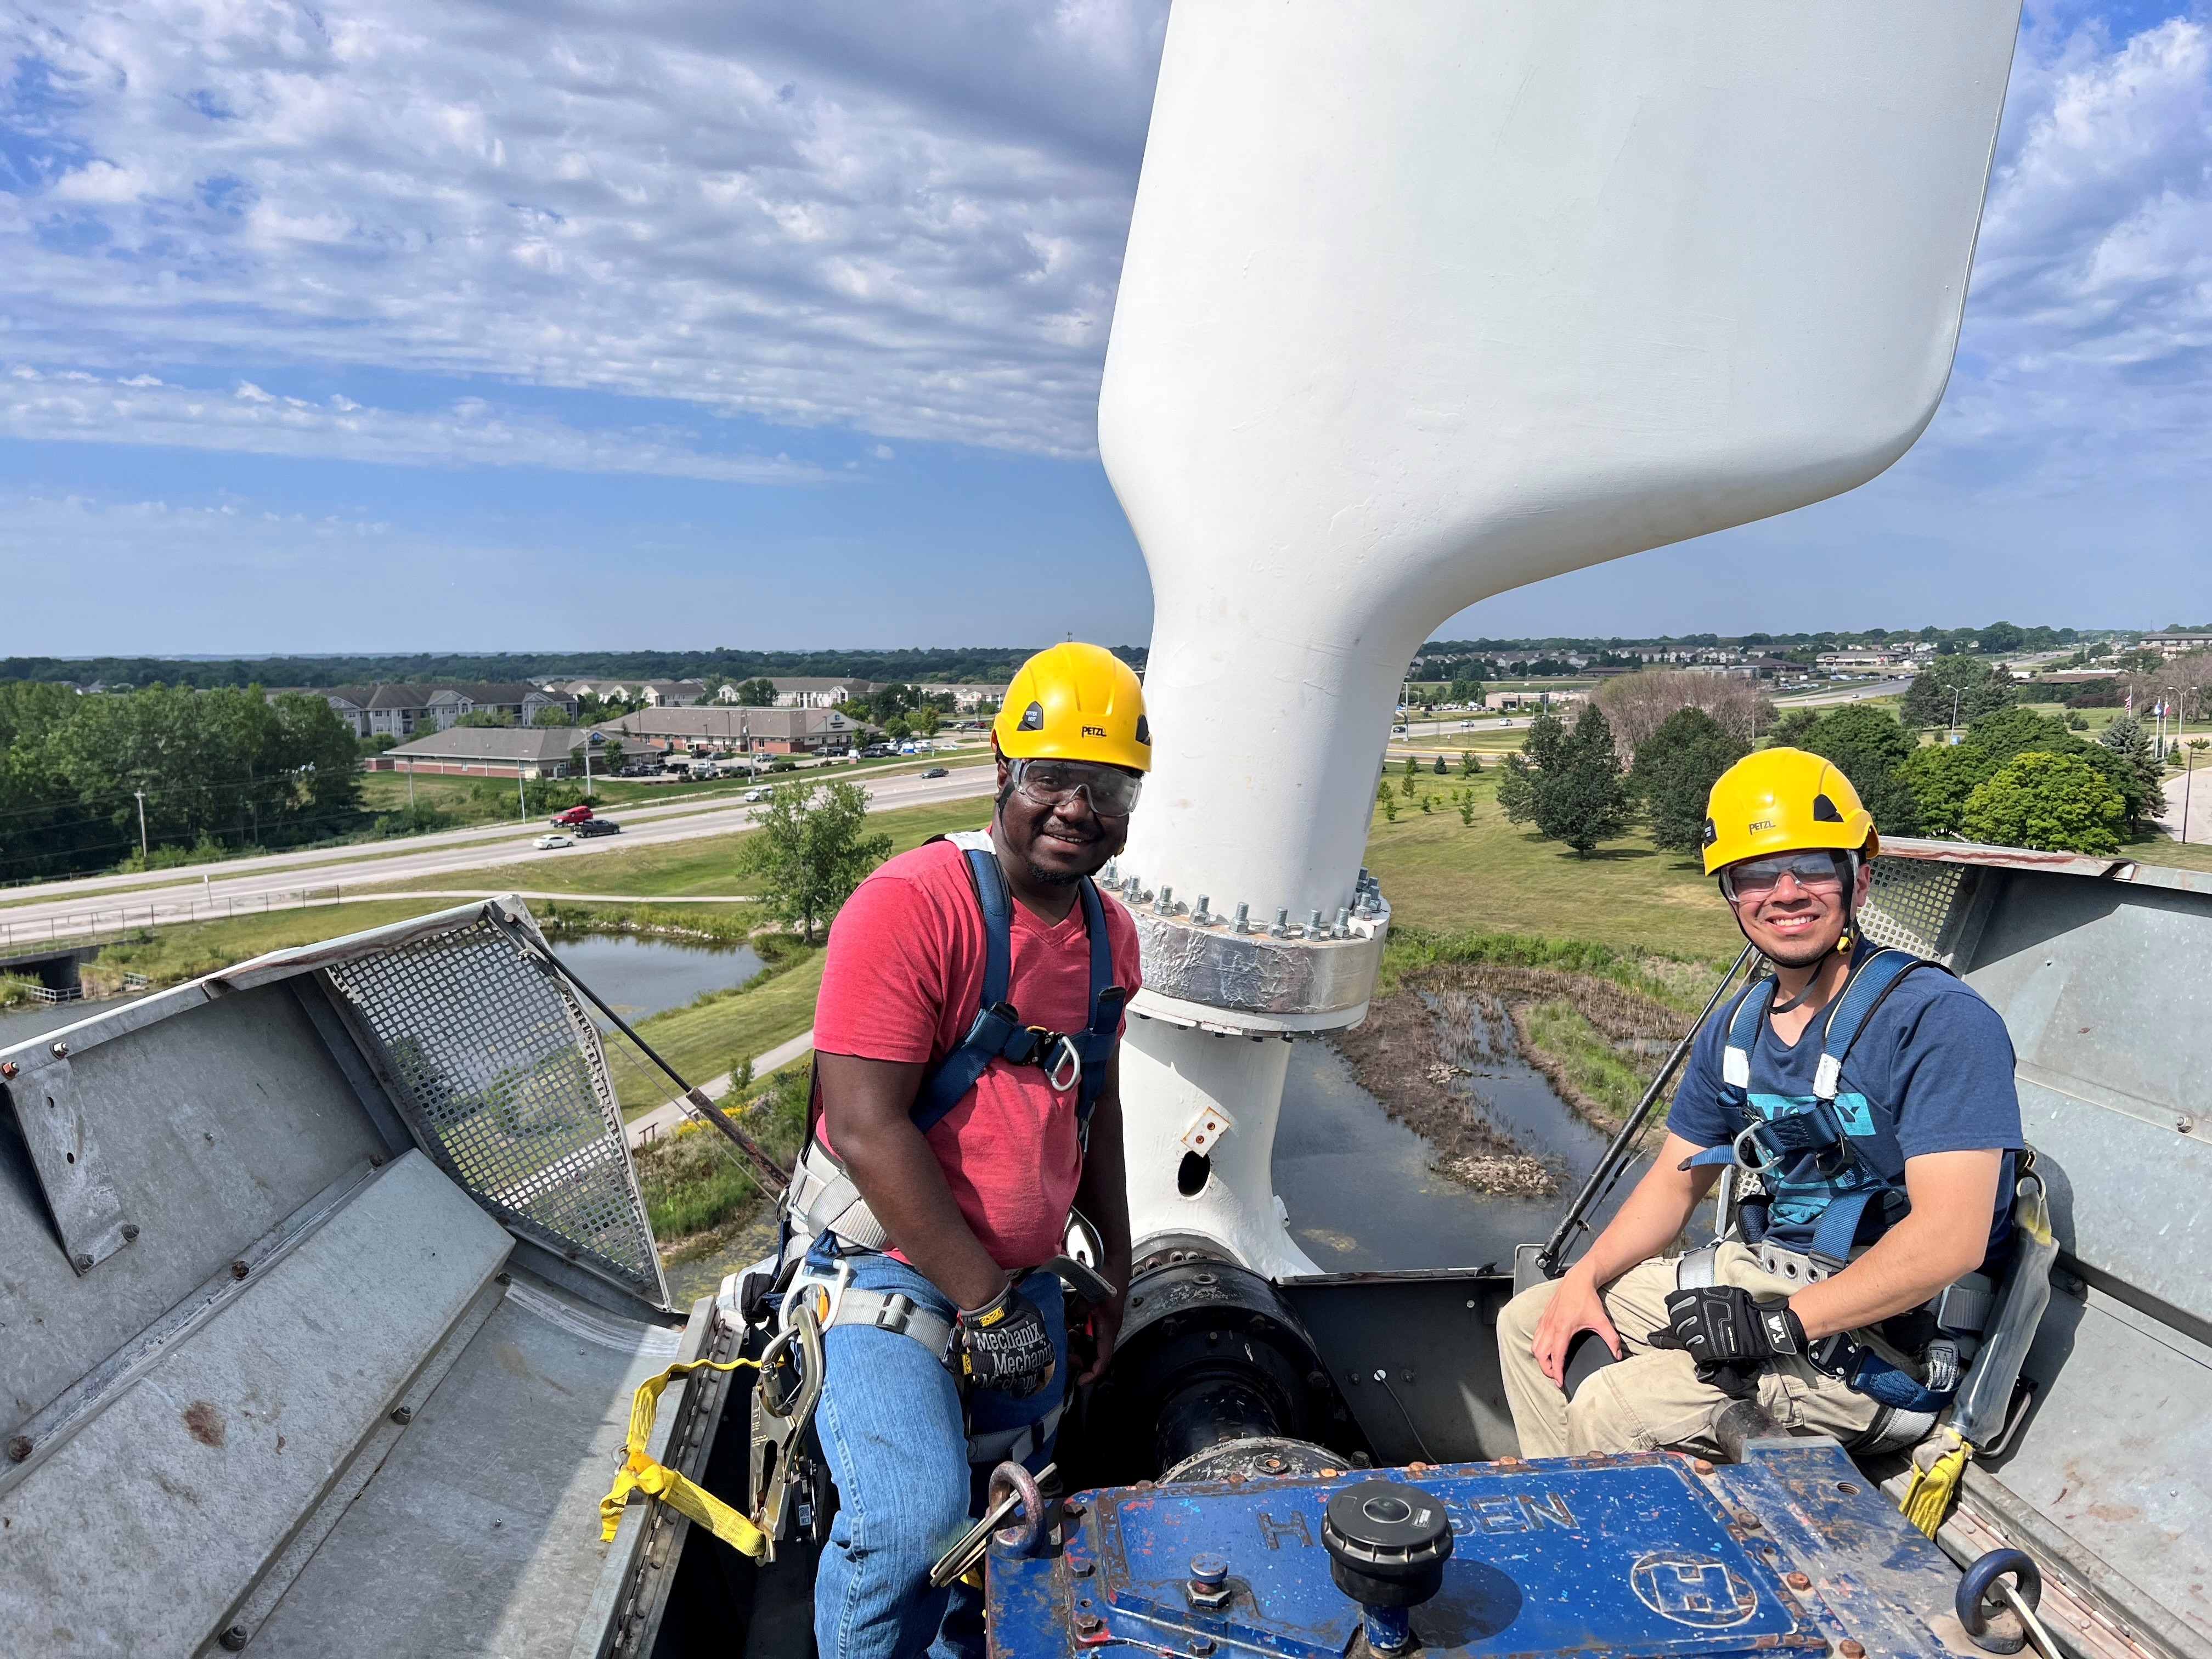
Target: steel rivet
1851,1650
403,1415
61,1051
238,1270
234,1640
19,1447
81,1263
130,1232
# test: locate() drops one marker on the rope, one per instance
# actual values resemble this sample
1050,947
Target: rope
686,1497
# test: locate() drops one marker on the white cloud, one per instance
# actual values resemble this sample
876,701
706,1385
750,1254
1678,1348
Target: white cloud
470,433
2089,334
905,219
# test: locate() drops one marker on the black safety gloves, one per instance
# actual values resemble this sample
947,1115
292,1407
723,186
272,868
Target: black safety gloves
1005,1345
1730,1334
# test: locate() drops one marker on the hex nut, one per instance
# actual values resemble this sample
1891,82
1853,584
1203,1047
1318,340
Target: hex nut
234,1640
1702,1465
403,1415
1088,1624
1748,1521
130,1232
1851,1650
1797,1580
81,1263
61,1051
8,1068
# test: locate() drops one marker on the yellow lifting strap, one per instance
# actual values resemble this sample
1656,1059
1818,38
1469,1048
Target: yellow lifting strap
686,1497
1928,1499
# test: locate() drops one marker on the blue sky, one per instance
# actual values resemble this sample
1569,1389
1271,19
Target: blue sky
576,322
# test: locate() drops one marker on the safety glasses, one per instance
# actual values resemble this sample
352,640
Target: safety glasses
1111,792
1821,873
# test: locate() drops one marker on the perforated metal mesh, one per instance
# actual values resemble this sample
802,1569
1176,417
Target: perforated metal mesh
501,1067
1909,902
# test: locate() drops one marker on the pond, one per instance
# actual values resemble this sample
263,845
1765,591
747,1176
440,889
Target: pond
639,977
1358,1186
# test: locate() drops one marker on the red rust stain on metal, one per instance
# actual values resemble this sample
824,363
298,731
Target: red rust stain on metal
1851,1650
204,1422
1797,1581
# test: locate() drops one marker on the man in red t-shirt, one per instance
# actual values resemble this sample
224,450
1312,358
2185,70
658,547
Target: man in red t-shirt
948,1150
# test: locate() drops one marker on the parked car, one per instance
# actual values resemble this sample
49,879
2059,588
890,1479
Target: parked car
599,827
937,772
575,815
547,843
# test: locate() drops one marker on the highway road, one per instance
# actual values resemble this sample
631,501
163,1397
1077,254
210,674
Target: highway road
73,908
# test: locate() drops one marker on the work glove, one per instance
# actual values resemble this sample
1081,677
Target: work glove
1730,1334
1005,1345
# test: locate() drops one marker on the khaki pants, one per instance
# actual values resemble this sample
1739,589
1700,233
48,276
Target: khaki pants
1652,1397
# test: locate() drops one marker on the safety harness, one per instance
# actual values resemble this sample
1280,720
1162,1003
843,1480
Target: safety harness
822,1197
1803,1155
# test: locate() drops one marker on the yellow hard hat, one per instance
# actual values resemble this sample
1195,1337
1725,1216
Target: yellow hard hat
1783,800
1076,702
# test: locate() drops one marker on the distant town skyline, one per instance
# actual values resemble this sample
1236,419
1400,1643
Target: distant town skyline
341,332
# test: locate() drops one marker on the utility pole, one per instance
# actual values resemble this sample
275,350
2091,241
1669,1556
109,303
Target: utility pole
521,796
143,854
410,786
1954,713
2188,779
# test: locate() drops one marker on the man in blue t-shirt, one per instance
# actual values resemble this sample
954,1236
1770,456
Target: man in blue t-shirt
1905,1154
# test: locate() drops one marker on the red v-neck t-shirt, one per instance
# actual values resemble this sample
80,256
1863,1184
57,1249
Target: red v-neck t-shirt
902,980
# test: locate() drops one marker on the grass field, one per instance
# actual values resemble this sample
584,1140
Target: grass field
709,1036
1496,877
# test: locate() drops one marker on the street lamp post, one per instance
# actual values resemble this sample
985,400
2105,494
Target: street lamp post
143,854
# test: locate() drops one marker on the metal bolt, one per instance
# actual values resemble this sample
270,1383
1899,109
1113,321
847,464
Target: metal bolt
61,1051
81,1263
238,1270
1343,918
1748,1521
1199,914
403,1415
19,1447
1084,1569
234,1640
1167,899
1282,921
1244,918
8,1068
1313,923
1797,1580
1208,1569
1201,1645
1273,1464
506,1279
1702,1465
1851,1650
1088,1624
130,1232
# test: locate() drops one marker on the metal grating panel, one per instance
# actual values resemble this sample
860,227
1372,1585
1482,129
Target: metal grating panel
1909,904
503,1073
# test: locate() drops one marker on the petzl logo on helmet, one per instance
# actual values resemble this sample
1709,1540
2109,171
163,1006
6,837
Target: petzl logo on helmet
1094,731
1763,823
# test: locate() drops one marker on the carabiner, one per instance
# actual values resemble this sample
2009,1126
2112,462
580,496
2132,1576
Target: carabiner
1757,1167
1065,1057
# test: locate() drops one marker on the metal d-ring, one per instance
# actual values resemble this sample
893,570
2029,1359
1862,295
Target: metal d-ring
1065,1057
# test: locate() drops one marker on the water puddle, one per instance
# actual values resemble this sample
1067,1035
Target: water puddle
641,976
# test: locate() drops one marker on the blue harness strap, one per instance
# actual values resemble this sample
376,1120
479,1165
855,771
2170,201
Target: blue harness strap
997,1031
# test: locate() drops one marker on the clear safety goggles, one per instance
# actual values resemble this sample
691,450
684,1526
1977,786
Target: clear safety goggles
1821,873
1051,782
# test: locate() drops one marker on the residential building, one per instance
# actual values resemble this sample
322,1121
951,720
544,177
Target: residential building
805,693
967,699
1871,661
489,751
2176,643
741,731
401,709
673,694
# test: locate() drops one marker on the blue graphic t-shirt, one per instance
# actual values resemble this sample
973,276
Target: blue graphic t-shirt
1932,1072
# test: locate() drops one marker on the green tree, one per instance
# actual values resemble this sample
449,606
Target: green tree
925,720
756,694
552,714
810,852
2127,739
1469,765
484,717
1868,747
2053,803
1942,779
1980,690
1440,769
1568,784
1675,770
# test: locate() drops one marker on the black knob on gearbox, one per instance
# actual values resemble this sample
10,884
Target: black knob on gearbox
1386,1542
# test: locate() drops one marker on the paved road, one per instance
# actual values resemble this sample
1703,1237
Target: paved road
247,884
2190,818
1852,691
665,1116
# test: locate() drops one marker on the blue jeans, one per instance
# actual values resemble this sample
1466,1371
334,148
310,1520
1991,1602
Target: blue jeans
892,1428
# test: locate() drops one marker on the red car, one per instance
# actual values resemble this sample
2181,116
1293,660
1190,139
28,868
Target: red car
573,815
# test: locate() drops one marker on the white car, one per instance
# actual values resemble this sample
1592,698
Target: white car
762,793
547,843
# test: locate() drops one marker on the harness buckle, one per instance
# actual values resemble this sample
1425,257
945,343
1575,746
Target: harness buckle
1065,1058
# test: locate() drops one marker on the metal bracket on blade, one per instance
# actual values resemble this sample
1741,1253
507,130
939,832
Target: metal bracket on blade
67,1158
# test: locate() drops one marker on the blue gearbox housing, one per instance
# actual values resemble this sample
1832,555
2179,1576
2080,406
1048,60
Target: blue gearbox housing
1657,1555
